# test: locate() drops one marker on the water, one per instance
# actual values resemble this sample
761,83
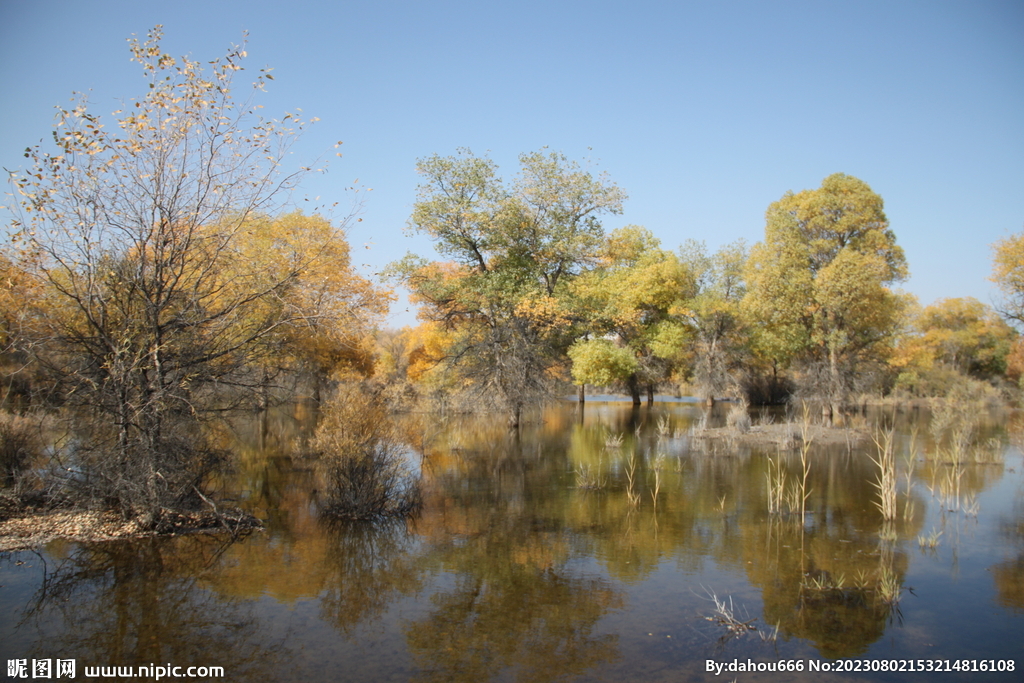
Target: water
546,557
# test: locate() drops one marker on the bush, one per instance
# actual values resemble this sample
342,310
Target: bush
738,418
19,443
364,465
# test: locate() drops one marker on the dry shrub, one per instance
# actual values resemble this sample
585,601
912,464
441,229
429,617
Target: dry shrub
19,444
738,418
364,463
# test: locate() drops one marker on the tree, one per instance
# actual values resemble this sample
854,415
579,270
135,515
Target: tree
630,297
600,362
328,308
713,314
818,286
955,336
513,251
154,311
1008,274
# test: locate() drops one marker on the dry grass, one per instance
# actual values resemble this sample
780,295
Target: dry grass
775,478
588,478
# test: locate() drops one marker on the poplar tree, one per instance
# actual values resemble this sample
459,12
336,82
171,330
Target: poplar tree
513,250
818,286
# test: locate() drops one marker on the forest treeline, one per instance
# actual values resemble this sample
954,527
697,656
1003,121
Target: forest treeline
153,278
534,294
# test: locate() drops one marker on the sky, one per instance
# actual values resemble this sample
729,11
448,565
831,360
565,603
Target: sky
703,112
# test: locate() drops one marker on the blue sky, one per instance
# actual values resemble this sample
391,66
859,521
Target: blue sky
704,112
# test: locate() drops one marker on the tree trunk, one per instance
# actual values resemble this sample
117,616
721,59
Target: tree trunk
650,394
515,413
832,399
634,389
582,393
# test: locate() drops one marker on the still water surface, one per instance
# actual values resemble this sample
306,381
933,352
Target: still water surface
589,547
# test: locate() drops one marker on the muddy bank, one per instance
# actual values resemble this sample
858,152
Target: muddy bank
786,435
33,529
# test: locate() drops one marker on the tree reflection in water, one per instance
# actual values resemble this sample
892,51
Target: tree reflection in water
518,605
514,571
366,566
135,603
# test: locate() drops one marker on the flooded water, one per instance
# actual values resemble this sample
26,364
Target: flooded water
591,547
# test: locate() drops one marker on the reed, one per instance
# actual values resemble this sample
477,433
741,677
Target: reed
885,481
931,541
805,469
889,589
631,493
659,461
587,478
776,482
725,614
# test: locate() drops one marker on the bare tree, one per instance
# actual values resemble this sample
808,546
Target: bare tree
136,235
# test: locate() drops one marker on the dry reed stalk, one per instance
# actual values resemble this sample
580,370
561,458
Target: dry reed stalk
885,482
776,481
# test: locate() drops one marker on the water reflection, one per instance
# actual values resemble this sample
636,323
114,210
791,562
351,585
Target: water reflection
1009,574
494,522
141,602
545,555
366,567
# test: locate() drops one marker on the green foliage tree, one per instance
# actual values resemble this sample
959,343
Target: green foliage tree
513,251
819,284
601,362
138,235
631,296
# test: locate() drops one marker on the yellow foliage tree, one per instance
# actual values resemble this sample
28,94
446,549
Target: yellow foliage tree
329,309
630,298
819,285
1008,274
952,337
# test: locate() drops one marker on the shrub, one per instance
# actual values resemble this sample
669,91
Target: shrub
19,443
738,418
364,465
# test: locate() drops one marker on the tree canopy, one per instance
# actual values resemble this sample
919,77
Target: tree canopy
819,284
512,249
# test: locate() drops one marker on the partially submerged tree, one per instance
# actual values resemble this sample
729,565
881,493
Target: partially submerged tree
818,286
365,465
513,251
138,234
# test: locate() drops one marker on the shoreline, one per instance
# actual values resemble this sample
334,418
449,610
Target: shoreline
31,529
